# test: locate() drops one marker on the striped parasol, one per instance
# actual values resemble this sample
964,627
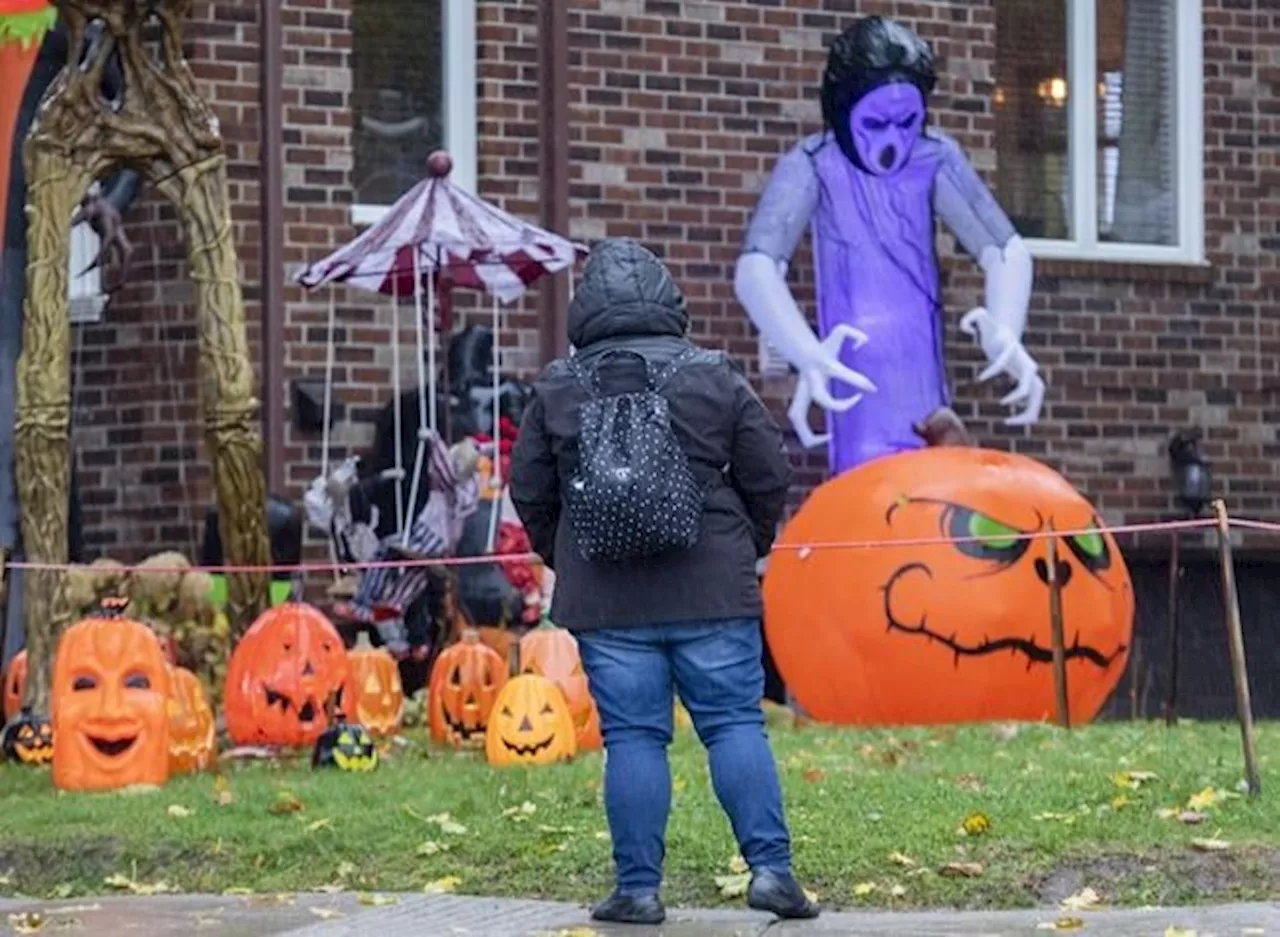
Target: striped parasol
451,237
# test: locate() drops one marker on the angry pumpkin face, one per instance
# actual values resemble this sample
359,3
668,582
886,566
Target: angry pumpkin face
286,677
530,724
464,685
27,740
110,714
913,632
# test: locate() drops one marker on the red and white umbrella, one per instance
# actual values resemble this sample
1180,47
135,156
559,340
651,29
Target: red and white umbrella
450,236
436,237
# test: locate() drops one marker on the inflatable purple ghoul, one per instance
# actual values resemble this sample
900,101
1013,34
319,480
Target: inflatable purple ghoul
868,188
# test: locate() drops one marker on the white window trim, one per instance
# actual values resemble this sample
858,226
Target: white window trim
84,286
1082,52
459,92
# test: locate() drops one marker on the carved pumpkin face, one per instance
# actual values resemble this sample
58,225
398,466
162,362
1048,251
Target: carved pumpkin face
553,653
530,724
379,693
465,681
192,737
952,632
110,706
347,746
285,677
15,684
27,739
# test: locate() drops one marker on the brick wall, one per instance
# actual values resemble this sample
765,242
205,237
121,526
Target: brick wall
679,108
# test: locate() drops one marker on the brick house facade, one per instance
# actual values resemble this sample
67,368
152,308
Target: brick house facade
678,110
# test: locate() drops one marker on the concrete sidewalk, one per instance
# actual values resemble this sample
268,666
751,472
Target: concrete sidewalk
342,915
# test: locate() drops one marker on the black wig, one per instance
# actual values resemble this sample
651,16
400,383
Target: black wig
872,52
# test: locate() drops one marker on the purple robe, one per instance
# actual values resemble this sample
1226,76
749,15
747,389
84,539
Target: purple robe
877,270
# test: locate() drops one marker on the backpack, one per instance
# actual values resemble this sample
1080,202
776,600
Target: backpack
633,494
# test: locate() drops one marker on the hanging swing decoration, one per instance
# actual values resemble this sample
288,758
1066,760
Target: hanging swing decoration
437,237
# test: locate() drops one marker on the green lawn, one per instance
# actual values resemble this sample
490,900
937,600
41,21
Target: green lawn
867,809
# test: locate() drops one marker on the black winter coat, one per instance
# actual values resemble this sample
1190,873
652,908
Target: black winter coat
628,300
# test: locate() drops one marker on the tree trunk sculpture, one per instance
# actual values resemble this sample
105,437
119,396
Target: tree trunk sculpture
158,124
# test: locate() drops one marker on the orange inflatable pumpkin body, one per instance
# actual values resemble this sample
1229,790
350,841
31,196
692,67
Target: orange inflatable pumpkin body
553,653
530,724
379,693
955,632
193,742
110,718
464,684
286,677
15,684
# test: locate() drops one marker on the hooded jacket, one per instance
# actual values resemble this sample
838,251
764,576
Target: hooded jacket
627,300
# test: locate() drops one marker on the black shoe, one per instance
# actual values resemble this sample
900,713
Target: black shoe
630,909
781,895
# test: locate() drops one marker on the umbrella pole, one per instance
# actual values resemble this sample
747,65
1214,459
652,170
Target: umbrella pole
327,433
495,475
423,431
395,407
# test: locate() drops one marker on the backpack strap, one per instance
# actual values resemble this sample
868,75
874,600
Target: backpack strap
658,376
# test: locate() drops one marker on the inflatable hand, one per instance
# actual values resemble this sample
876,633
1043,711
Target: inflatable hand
1006,355
816,370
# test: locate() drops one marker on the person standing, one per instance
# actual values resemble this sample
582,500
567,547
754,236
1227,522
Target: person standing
651,478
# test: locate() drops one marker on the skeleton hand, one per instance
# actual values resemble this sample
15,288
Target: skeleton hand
104,218
1006,355
815,373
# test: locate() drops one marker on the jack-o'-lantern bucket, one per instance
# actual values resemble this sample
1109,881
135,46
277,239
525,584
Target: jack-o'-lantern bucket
915,631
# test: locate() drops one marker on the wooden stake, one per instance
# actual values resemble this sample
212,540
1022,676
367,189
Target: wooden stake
1235,642
1175,581
1059,638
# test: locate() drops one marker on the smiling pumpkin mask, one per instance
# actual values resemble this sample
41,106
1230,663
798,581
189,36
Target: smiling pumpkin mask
530,724
110,717
911,633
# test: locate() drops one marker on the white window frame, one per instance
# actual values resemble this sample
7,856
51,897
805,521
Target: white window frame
84,286
459,94
1082,67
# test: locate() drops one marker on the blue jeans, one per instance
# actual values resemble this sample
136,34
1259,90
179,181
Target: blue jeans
716,668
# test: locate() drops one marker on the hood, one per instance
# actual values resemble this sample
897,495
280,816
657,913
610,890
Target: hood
625,291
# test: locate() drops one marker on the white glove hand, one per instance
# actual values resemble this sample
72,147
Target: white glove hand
1006,355
815,373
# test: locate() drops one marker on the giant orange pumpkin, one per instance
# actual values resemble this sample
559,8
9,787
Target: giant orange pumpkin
110,721
286,678
192,737
465,681
552,652
379,693
908,633
15,684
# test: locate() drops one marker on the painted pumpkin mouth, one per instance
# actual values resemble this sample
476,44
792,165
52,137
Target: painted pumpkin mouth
112,748
460,729
307,712
529,750
1034,653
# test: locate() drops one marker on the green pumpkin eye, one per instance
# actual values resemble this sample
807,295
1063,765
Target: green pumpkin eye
1091,549
1090,544
994,535
983,537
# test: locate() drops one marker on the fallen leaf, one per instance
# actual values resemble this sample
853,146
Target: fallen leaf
327,914
316,825
737,864
1119,802
124,883
678,784
1062,924
376,899
222,795
179,812
1082,900
1133,779
897,891
447,824
1191,817
431,848
975,824
62,890
443,886
898,858
1210,845
1203,800
1005,732
571,932
346,869
237,890
1172,931
970,782
862,889
961,869
814,775
1167,813
27,922
521,813
733,886
286,802
1054,817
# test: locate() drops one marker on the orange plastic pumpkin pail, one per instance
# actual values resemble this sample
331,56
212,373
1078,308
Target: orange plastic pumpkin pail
913,633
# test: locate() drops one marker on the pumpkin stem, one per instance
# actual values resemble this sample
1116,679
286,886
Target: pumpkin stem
362,642
470,635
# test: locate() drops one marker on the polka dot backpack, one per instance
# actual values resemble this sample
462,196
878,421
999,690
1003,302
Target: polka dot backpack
634,494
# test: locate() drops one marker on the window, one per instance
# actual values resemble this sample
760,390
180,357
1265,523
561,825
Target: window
87,299
413,90
1099,134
